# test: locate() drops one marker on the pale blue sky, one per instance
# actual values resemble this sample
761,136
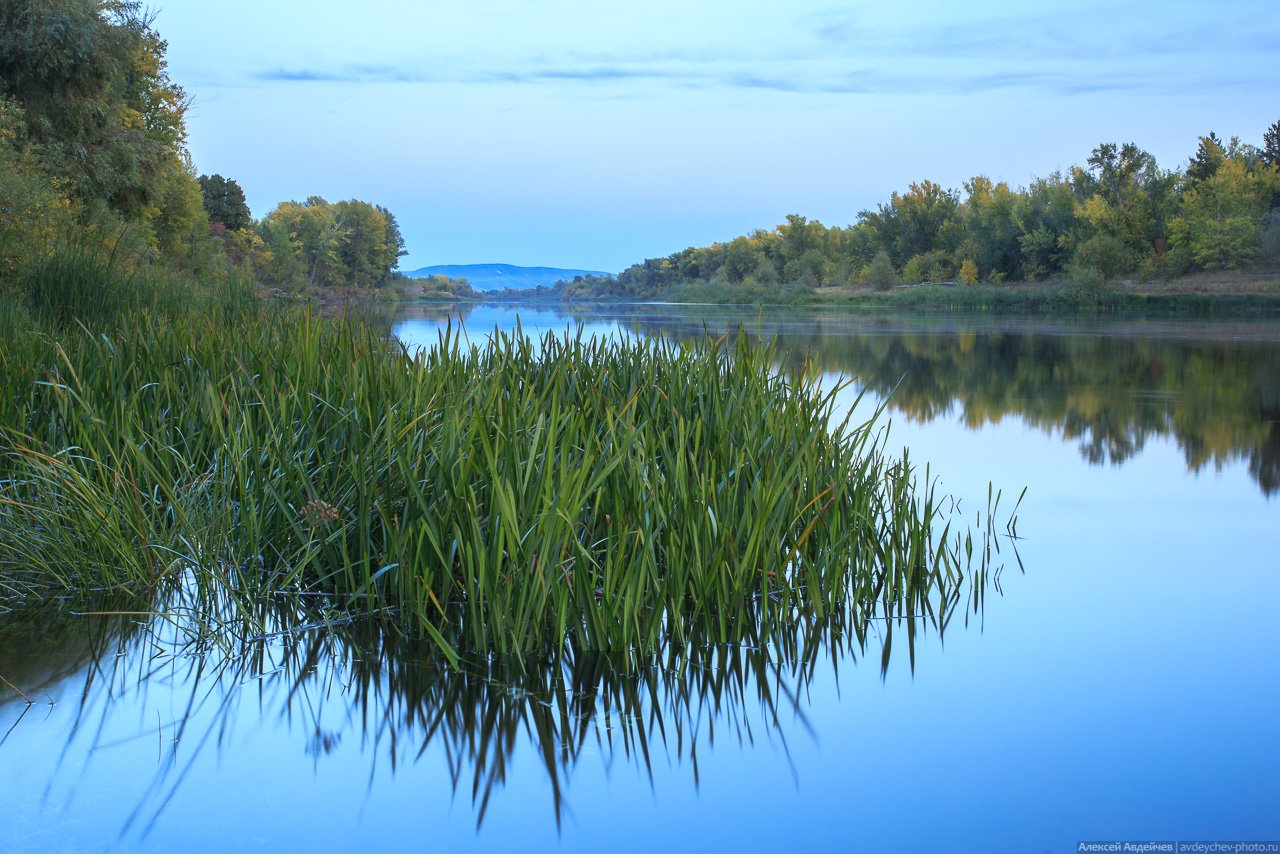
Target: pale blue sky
595,135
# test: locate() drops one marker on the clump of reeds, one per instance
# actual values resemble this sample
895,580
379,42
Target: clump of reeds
518,495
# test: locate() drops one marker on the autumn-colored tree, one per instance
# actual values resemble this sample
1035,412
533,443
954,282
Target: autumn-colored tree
318,244
1222,219
1124,202
989,225
100,110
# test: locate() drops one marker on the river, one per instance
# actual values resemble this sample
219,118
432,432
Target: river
1118,681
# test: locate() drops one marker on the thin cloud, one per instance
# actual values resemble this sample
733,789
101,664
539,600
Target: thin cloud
831,76
344,74
1070,35
289,75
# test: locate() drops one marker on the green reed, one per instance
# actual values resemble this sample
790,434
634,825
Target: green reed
506,497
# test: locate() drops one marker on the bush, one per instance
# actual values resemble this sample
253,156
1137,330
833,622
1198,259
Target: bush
1104,254
1086,279
881,275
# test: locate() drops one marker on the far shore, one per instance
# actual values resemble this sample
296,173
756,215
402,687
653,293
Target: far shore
1221,293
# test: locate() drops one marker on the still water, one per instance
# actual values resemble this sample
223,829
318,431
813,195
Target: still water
1119,681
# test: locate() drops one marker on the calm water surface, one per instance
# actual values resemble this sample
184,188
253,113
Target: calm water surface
1120,682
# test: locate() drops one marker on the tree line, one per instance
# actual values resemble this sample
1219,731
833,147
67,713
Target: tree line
93,149
1120,214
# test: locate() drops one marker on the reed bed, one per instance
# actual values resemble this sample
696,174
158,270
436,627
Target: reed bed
504,497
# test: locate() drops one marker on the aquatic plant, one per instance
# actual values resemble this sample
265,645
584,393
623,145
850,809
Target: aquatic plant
505,497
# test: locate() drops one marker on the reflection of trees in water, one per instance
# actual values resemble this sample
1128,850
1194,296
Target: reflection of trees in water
1218,398
1264,460
435,312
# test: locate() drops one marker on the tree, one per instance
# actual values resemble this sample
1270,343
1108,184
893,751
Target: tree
881,275
989,224
1046,224
34,210
176,218
318,244
919,221
1222,220
1271,145
363,244
91,80
395,240
1125,198
1209,156
224,202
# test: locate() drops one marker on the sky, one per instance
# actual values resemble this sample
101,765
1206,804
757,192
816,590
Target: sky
593,135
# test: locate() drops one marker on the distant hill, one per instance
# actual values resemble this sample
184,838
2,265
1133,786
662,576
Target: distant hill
496,277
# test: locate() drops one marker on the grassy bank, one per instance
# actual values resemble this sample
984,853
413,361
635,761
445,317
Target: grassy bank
1212,295
1219,295
1062,301
516,496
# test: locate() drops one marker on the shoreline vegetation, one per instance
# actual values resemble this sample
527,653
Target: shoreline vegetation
1201,294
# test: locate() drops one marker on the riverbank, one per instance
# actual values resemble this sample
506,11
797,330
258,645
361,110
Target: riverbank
1202,294
1239,294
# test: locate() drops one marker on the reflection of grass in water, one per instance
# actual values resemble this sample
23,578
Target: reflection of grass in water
46,640
618,496
361,684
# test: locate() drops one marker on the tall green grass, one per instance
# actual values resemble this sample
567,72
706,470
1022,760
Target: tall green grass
83,282
507,497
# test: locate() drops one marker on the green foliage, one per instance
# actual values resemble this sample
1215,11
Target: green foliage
1046,225
438,286
913,271
224,202
1269,251
1271,145
1087,280
1118,215
176,218
1103,254
1208,158
34,210
1124,202
84,283
1223,218
991,229
100,109
321,245
613,495
924,219
881,275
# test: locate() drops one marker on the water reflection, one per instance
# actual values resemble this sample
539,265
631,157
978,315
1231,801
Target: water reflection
1109,385
332,684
